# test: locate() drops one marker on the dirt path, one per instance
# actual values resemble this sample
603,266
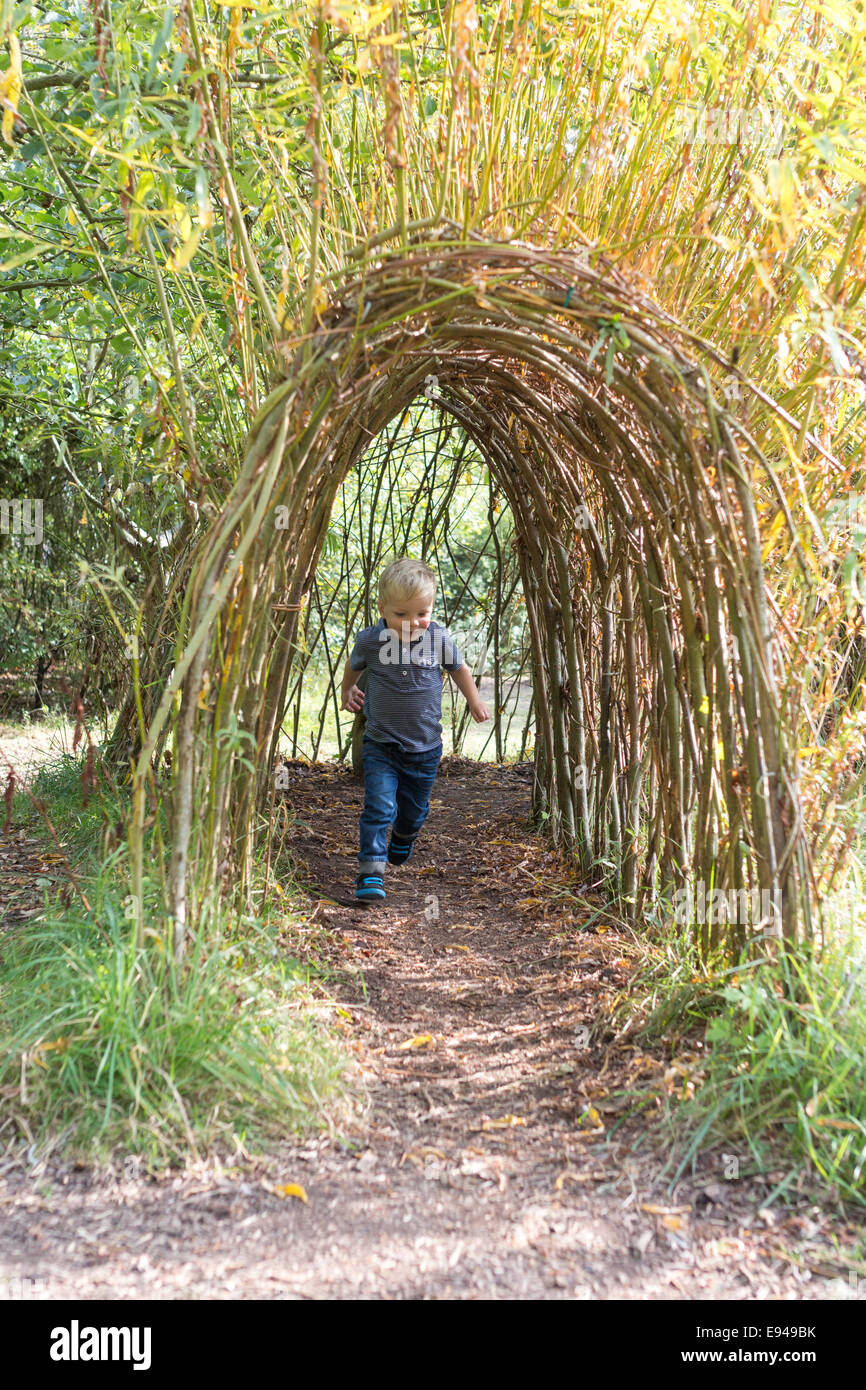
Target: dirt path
28,862
497,1159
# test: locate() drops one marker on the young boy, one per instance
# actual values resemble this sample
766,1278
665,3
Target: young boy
402,743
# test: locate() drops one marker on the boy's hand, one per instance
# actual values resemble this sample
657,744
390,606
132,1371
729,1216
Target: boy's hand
353,700
479,711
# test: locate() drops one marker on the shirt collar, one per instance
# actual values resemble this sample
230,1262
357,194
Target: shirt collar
380,627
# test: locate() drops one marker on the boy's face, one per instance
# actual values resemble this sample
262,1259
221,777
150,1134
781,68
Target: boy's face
408,616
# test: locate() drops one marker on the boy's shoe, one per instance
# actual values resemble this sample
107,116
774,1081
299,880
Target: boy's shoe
399,849
370,888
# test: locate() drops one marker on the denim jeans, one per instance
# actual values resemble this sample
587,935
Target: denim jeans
397,787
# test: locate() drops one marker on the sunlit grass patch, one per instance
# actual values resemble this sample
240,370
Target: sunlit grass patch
107,1046
104,1045
778,1071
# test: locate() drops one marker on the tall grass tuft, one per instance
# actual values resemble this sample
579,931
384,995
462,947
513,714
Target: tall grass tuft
107,1047
786,1074
780,1073
104,1045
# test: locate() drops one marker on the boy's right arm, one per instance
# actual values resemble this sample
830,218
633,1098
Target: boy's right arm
352,694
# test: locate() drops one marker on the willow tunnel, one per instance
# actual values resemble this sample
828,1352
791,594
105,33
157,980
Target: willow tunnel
662,752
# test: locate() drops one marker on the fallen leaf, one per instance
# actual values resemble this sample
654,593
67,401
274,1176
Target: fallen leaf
592,1115
569,1176
654,1210
615,1105
423,1153
422,1041
60,1044
291,1189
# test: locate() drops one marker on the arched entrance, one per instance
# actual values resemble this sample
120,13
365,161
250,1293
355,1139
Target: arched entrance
662,750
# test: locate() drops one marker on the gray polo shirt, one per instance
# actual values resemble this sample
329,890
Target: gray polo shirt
403,699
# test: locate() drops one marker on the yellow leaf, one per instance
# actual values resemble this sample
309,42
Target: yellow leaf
421,1041
59,1044
418,1156
813,1104
506,1122
184,255
654,1210
772,532
291,1189
183,220
569,1176
320,300
10,89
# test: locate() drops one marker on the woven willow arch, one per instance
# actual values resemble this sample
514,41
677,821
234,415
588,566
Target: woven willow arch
662,748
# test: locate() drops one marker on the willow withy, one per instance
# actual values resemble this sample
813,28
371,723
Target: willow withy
663,754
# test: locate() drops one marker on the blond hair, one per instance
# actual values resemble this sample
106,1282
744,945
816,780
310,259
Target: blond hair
404,578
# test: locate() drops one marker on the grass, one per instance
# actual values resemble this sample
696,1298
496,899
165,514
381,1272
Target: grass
107,1048
786,1070
778,1076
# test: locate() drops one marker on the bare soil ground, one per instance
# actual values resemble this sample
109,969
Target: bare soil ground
25,747
505,1150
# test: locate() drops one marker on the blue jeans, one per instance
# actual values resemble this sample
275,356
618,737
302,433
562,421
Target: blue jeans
397,787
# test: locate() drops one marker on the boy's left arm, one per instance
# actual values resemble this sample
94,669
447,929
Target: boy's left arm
462,678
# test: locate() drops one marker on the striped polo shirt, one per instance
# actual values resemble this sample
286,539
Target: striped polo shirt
403,699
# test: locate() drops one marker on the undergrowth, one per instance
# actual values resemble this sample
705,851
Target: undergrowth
776,1049
107,1047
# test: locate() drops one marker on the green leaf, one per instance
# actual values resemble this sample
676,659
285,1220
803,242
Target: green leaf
159,43
193,125
25,153
608,361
